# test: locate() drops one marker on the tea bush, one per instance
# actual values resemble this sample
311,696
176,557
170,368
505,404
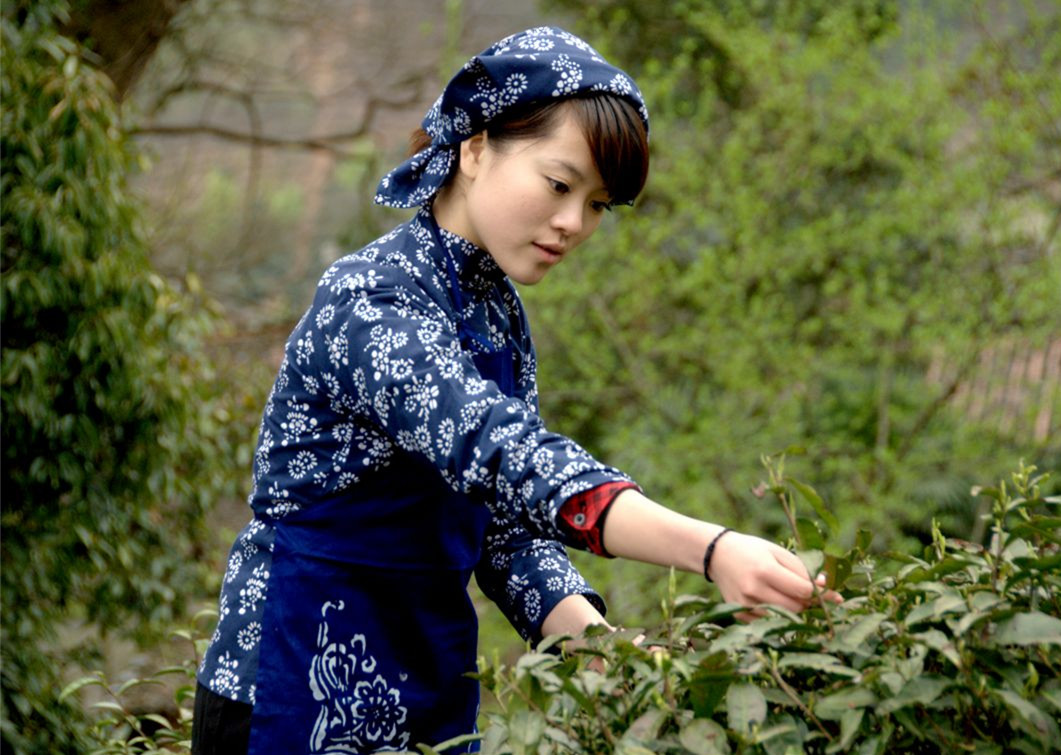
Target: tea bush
953,651
956,650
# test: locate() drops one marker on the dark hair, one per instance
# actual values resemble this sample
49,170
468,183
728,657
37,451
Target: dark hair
613,129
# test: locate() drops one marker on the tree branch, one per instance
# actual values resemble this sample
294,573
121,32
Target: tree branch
325,143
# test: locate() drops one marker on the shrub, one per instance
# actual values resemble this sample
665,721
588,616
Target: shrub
953,651
113,433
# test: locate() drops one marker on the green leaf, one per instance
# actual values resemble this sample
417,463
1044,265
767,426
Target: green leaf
702,736
834,706
526,728
745,707
854,636
740,636
109,705
1033,628
708,684
162,721
631,748
811,496
850,723
131,683
813,560
921,690
818,661
1038,721
1051,692
74,686
941,643
647,725
937,608
810,534
456,741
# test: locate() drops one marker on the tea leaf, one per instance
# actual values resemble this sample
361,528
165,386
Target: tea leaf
853,637
1033,628
811,496
833,707
702,736
1040,723
920,690
745,707
818,661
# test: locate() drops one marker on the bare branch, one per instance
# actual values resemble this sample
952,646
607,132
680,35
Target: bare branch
325,143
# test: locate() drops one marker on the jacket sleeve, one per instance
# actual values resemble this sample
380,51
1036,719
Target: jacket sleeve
406,372
527,576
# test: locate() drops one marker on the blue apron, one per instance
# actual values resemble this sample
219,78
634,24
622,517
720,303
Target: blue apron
368,628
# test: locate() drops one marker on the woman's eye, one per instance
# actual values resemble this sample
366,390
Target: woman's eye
559,186
601,206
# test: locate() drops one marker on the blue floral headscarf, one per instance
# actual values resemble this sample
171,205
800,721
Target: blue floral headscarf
536,65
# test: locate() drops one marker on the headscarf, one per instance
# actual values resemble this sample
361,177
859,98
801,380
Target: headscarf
536,65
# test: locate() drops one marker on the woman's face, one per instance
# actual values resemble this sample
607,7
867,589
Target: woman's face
530,203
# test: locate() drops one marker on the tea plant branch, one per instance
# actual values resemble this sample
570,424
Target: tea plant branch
787,688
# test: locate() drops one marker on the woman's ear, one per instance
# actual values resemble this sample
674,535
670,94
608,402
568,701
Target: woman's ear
472,152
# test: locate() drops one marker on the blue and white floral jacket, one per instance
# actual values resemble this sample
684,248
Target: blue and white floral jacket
375,378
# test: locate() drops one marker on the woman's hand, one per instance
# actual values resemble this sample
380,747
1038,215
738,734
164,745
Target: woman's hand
751,571
748,570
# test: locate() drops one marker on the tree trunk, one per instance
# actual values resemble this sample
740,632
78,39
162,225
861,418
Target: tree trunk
124,33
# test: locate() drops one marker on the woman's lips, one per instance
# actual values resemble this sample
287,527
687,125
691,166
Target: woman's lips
552,252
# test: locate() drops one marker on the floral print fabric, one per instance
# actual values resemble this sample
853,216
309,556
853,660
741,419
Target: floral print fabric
376,385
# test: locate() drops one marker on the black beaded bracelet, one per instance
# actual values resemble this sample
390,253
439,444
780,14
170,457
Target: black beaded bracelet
711,551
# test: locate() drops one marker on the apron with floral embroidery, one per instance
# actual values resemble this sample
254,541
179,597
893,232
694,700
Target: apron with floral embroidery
369,631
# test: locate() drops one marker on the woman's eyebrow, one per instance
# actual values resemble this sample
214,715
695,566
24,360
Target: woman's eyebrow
568,166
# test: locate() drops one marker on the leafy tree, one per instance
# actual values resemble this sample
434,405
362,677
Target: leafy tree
112,447
842,195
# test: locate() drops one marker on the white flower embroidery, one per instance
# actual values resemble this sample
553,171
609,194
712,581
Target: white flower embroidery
359,712
225,681
325,315
253,592
304,348
248,637
301,465
235,561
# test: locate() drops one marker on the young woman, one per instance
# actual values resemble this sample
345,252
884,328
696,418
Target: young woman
401,448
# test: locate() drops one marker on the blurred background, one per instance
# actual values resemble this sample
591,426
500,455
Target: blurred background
847,251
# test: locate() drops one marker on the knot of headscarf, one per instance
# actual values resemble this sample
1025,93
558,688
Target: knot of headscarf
537,65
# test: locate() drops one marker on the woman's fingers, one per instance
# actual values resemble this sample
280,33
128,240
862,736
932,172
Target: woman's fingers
792,563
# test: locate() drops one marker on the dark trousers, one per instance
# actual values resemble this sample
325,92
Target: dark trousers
221,726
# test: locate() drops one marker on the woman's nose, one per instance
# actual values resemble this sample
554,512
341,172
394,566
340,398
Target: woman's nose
568,219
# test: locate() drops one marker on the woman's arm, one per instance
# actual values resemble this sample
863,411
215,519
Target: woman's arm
571,616
529,577
748,570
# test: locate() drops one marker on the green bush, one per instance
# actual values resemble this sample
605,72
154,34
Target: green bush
955,651
842,195
114,435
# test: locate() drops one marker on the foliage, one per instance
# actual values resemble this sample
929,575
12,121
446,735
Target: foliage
955,651
112,429
119,728
842,196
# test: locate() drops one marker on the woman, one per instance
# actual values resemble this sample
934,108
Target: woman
401,447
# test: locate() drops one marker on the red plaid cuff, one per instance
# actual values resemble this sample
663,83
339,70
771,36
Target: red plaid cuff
582,516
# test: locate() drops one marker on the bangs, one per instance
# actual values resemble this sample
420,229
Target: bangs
618,142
